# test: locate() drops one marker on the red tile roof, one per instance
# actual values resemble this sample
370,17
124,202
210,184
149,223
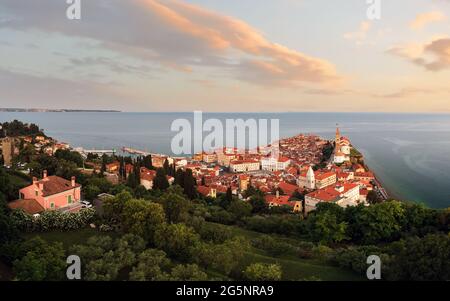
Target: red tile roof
54,185
324,175
280,201
368,174
30,206
203,190
327,195
287,188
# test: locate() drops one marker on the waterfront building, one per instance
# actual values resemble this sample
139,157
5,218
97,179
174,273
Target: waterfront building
342,194
342,148
324,179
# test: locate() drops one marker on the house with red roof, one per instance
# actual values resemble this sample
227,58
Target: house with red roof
283,200
207,191
147,176
49,193
365,176
287,188
344,195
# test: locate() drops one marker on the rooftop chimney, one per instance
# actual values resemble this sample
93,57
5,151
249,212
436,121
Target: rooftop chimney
45,174
35,180
41,186
73,181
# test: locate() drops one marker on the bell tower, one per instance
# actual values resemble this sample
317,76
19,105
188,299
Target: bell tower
338,135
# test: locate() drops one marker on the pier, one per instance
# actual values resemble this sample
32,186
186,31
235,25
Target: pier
100,152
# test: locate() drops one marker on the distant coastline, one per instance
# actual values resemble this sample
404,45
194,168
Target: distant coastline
55,110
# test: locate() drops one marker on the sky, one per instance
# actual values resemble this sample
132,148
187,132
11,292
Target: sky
226,56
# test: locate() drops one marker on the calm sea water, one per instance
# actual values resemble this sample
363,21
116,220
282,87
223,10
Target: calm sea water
409,153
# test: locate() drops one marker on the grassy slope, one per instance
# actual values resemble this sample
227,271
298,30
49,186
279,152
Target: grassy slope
68,239
293,268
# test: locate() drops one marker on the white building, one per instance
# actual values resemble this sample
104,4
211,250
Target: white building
342,149
344,195
272,164
244,165
307,180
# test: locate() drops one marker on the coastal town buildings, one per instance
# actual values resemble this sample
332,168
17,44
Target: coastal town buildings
344,195
316,179
146,177
342,148
274,164
248,165
308,167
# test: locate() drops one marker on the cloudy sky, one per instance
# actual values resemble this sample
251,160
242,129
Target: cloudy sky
226,55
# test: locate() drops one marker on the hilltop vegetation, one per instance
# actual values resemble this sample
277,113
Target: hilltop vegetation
17,128
167,236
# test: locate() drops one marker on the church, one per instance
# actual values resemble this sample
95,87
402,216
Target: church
342,148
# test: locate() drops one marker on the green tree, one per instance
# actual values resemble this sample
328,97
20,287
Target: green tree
66,169
378,223
189,272
421,259
40,261
90,192
133,181
177,240
8,230
166,167
179,178
228,255
176,207
67,155
259,204
151,266
147,162
325,228
240,209
141,217
113,207
189,184
160,181
263,272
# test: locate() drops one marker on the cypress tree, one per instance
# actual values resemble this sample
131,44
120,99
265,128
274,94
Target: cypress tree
166,167
160,181
189,184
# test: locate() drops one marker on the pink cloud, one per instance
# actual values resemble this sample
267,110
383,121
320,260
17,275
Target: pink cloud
424,19
434,55
223,33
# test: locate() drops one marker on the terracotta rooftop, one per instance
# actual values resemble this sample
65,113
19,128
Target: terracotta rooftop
28,205
54,184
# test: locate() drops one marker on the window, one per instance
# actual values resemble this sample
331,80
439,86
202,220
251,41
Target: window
52,205
69,199
36,192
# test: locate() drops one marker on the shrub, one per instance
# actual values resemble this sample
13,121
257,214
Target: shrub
52,220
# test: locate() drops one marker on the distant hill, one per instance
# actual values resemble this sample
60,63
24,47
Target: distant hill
54,110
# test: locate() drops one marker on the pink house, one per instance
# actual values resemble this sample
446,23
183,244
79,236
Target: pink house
49,193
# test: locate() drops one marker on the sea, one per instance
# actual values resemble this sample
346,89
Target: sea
410,153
